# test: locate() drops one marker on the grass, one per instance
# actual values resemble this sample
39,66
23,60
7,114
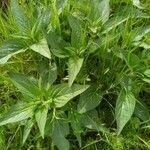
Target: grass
75,75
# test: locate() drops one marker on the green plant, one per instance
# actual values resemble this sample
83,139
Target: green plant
77,67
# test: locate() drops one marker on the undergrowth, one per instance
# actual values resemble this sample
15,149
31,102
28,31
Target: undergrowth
75,74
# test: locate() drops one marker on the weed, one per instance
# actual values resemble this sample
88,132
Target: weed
75,75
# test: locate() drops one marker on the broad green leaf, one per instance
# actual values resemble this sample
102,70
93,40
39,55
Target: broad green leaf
57,45
62,93
42,48
77,36
76,126
142,111
104,9
146,80
61,4
6,58
48,73
137,4
10,48
147,73
124,109
131,12
142,44
18,112
60,130
76,132
90,99
90,120
25,85
96,11
99,11
142,34
22,21
133,61
41,116
41,23
144,31
28,126
146,55
74,66
113,23
49,125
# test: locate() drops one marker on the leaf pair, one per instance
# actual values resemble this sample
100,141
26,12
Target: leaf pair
62,93
41,118
38,102
13,47
25,39
78,43
88,100
60,48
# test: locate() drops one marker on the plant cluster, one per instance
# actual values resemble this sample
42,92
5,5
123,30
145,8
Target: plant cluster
75,74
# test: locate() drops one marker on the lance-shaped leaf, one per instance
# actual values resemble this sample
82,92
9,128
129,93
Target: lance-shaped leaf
124,109
41,116
62,93
60,130
48,73
142,111
113,23
104,10
76,126
99,11
74,66
89,100
22,21
143,32
10,48
18,112
28,126
25,84
90,120
137,4
77,35
57,45
147,73
146,80
41,23
42,48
